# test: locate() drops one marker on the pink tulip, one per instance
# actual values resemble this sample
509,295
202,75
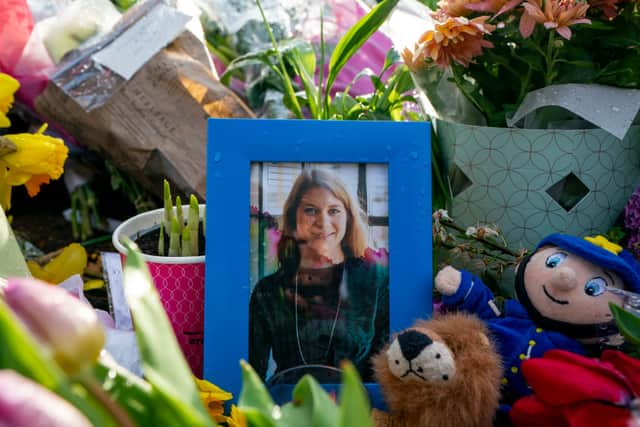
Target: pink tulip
24,403
67,326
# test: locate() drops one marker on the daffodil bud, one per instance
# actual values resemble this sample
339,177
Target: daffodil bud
67,326
26,403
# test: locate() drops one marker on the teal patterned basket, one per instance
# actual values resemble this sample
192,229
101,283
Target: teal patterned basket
532,182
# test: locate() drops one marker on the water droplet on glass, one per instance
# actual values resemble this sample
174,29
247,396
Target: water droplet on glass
414,154
217,156
388,147
615,109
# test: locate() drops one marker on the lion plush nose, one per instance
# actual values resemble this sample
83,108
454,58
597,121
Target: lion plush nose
412,343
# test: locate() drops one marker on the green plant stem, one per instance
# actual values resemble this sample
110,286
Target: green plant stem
524,86
285,77
460,84
322,113
95,389
96,240
550,59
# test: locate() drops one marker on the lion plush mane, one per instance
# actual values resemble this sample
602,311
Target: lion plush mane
443,372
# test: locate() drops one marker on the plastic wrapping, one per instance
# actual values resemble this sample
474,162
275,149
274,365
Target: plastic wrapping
85,80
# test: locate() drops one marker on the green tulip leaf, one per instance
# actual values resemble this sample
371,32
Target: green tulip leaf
163,363
129,391
255,418
628,323
254,394
349,44
355,409
311,405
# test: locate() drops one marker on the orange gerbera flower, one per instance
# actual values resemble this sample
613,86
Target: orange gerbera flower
454,39
557,14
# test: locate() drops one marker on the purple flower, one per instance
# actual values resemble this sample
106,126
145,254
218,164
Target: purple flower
26,403
632,212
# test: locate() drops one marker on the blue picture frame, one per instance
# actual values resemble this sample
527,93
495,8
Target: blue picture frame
233,144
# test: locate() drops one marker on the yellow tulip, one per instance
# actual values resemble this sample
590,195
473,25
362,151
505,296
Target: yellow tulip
72,260
8,86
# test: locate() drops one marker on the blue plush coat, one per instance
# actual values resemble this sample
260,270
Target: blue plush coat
516,336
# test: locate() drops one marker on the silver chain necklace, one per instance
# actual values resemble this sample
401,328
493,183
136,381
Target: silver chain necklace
333,327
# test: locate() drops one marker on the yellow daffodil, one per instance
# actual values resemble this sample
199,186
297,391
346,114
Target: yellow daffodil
237,418
37,159
213,398
72,260
8,86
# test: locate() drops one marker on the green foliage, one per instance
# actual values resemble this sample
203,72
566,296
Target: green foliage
310,405
628,324
296,58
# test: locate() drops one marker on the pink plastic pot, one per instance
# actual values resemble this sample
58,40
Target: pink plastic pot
180,284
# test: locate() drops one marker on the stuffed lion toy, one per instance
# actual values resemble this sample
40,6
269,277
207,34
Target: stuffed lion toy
443,372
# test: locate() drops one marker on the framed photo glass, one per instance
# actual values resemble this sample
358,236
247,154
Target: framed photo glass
318,245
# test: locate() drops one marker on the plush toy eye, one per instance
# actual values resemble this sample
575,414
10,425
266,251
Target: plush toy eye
554,260
595,287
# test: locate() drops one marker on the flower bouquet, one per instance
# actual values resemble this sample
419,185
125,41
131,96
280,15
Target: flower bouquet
567,71
494,52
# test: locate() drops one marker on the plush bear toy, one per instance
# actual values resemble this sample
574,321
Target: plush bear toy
444,372
562,301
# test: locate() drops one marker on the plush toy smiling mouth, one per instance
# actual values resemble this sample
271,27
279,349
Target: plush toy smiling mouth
557,301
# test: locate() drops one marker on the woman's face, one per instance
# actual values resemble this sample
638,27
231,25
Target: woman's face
321,223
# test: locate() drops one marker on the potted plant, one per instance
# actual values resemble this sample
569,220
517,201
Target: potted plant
484,65
172,241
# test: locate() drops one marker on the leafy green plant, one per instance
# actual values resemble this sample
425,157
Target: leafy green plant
297,58
183,238
66,360
310,404
629,326
63,359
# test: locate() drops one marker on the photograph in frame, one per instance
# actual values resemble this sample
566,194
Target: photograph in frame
318,268
237,149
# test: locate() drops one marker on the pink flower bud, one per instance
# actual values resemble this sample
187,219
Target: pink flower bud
67,326
26,403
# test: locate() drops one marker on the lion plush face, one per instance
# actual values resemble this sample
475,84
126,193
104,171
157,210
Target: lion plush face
444,372
416,355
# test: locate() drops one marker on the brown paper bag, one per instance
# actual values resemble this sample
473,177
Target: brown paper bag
155,125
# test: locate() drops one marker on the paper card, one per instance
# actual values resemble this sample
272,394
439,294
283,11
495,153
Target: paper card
142,40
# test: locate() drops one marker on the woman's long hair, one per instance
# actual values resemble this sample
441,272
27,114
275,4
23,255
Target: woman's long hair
354,242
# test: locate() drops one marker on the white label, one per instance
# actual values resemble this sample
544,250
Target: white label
126,54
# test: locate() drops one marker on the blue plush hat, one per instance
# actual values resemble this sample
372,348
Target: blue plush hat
600,251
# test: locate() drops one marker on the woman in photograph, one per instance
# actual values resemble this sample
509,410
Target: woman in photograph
329,299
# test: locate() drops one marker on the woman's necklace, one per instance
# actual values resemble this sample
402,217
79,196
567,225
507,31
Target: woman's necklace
333,327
